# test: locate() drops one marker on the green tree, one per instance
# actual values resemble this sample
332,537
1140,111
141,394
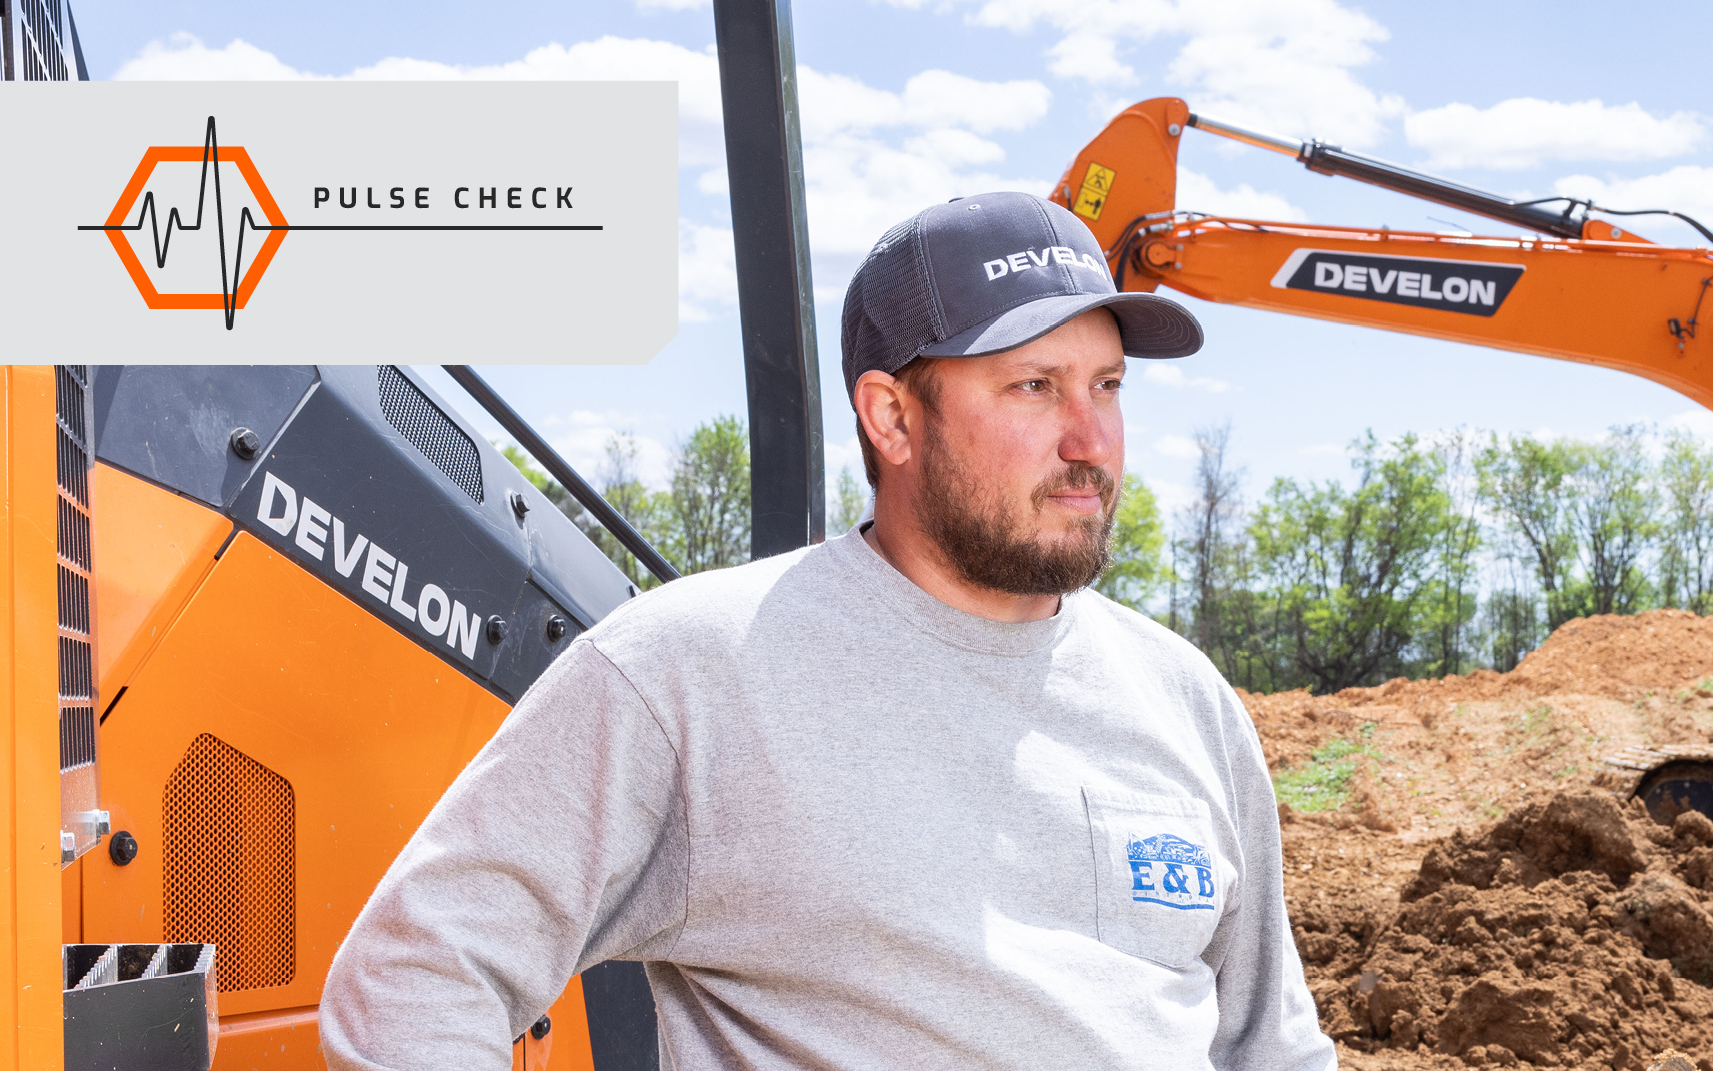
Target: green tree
647,511
1214,600
621,488
1613,513
707,523
526,465
1138,538
1453,594
1510,624
848,505
1348,567
1208,527
1686,532
1526,483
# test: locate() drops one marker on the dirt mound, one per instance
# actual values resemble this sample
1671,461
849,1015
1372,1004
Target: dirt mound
1620,657
1569,931
1428,756
1573,932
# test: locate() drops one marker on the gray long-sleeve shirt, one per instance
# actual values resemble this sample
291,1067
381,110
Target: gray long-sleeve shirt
847,826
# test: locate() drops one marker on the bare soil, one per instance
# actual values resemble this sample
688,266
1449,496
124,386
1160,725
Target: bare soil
1475,901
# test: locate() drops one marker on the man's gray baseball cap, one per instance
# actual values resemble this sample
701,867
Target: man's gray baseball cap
986,274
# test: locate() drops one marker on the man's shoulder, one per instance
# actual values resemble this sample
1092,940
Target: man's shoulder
1167,654
713,604
1139,627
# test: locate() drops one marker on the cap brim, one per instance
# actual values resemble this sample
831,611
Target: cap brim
1149,326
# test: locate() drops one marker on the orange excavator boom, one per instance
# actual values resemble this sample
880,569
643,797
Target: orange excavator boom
1581,289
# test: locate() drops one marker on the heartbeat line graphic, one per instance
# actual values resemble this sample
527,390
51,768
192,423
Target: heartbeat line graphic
230,279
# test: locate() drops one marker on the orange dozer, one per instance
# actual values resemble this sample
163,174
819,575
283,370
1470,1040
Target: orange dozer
1581,289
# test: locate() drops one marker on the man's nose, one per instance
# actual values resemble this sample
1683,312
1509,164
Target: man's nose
1085,437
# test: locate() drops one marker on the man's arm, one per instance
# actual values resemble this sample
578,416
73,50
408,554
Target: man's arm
1267,1018
562,844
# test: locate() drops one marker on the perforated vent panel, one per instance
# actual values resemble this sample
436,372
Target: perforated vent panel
422,423
230,851
71,542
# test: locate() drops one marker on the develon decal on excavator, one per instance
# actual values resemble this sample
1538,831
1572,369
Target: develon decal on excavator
1580,288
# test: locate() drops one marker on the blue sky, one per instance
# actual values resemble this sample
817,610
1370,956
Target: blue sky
906,102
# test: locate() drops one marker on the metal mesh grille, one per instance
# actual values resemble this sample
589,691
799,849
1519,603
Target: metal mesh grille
229,829
76,639
422,423
889,313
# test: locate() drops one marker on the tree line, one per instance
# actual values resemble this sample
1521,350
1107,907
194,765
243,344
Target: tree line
1436,557
700,520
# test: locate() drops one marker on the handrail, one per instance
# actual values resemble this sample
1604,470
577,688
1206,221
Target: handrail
557,467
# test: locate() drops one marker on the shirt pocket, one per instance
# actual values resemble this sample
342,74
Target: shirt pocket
1160,884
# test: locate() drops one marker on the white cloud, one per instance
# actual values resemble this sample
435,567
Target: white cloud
1282,65
582,440
1525,132
1170,375
1091,57
707,271
1198,193
941,99
839,455
834,104
1697,422
1177,446
1171,496
859,186
873,157
184,58
1686,188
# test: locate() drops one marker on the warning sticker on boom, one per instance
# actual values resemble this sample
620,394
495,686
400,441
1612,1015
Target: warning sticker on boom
1092,197
1472,287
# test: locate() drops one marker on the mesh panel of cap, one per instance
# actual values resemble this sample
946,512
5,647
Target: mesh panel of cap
889,310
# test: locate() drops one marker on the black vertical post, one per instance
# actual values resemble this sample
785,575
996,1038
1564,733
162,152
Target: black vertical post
776,301
6,73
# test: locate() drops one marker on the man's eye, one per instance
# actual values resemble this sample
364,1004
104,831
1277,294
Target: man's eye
1110,385
1034,386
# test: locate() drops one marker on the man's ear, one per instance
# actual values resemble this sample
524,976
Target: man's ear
881,407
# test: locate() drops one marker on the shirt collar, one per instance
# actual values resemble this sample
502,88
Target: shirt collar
946,623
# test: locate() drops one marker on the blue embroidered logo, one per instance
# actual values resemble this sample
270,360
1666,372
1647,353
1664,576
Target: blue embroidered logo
1172,872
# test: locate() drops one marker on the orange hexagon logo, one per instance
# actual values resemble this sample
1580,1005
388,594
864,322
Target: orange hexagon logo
206,154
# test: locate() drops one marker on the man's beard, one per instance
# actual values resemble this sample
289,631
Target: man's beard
989,545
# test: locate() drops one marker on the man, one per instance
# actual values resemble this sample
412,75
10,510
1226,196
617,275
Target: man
913,798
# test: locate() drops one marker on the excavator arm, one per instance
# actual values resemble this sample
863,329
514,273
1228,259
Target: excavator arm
1583,289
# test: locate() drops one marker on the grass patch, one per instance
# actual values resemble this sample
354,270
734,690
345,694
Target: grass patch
1535,719
1323,783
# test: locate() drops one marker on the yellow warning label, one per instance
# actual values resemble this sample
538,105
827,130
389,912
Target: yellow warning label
1092,197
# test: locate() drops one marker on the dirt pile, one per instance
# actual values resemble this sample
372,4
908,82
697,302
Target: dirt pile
1572,933
1460,750
1609,655
1565,930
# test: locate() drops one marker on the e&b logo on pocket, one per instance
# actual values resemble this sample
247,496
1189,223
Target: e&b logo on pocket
1171,871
